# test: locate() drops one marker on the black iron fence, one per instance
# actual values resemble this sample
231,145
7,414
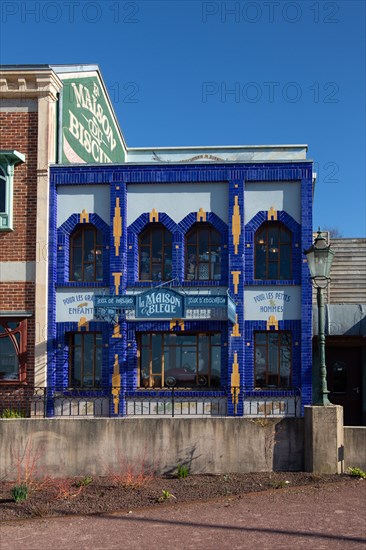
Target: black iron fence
43,402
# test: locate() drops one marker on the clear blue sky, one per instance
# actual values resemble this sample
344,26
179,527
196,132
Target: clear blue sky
296,70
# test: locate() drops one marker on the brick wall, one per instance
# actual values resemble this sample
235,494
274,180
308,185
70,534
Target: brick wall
19,131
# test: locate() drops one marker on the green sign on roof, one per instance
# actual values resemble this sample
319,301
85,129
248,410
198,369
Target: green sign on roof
89,131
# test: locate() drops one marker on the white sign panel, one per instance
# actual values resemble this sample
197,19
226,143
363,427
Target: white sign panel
71,306
284,302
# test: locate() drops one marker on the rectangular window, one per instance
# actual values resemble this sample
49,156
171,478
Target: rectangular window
180,360
8,159
273,359
85,360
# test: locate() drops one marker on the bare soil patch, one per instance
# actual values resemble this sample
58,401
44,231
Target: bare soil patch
60,497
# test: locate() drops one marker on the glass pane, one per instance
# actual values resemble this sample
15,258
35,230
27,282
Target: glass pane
285,262
203,354
192,238
285,235
272,270
260,338
260,262
168,237
99,237
145,263
188,359
203,271
145,339
2,195
215,365
215,237
273,357
203,244
76,367
186,340
157,352
339,377
157,274
89,242
260,365
216,339
191,265
145,238
9,364
273,236
145,366
76,262
77,239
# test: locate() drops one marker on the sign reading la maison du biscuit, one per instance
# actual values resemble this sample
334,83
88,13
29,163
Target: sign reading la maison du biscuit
89,131
283,302
72,305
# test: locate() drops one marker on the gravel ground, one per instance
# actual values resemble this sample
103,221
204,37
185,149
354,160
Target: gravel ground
318,516
60,497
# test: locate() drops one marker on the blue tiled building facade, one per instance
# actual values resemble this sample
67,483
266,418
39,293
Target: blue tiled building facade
227,230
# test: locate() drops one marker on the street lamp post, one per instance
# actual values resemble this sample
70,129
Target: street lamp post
320,257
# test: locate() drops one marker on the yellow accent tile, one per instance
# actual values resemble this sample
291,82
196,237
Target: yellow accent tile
236,332
236,225
235,275
116,384
116,331
174,322
117,226
84,216
272,322
272,214
201,215
83,323
117,281
235,381
154,216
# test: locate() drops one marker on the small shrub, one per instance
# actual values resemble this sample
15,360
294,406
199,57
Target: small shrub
357,472
166,495
19,493
10,413
84,482
66,489
182,471
131,475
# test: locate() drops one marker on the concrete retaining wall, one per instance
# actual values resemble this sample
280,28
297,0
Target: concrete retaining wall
73,447
355,447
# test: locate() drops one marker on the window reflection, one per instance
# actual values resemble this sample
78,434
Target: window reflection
86,254
203,253
273,359
155,254
186,360
273,244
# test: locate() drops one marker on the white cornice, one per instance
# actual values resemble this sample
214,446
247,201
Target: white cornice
29,84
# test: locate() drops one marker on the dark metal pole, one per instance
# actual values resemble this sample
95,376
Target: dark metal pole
323,389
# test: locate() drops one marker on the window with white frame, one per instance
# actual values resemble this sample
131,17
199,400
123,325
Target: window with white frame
8,159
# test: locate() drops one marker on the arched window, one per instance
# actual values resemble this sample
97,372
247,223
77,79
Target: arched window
86,254
155,254
273,245
203,254
13,345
